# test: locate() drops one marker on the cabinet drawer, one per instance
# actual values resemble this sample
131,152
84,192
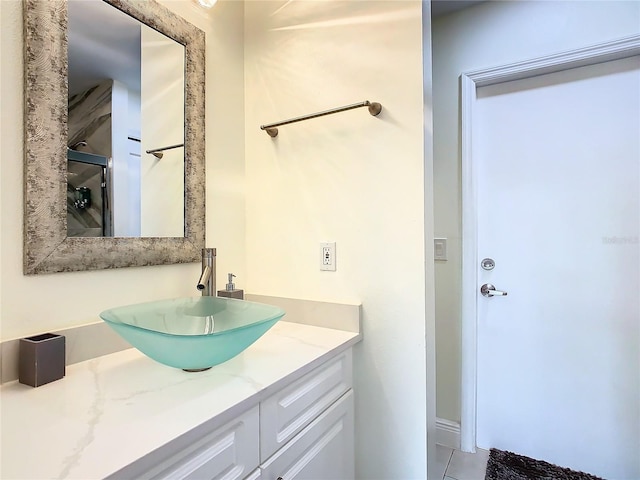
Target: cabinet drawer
230,451
323,450
287,412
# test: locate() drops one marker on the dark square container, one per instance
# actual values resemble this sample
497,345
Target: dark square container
41,359
239,294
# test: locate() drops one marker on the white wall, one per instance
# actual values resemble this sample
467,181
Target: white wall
349,178
125,170
225,193
487,35
40,303
162,125
430,321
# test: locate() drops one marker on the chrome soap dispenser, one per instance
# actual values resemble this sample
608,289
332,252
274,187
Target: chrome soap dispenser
230,290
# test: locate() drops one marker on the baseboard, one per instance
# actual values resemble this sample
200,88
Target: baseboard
447,433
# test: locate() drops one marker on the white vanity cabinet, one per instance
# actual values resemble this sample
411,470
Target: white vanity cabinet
302,431
285,413
306,429
322,451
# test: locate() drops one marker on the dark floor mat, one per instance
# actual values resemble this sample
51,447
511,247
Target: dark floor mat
510,466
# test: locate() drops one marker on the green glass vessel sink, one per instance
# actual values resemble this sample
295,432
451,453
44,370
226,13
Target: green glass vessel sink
192,333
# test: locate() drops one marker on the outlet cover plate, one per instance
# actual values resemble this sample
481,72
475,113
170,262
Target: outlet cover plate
328,256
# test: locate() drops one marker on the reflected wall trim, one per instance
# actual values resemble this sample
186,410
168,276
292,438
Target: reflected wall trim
47,249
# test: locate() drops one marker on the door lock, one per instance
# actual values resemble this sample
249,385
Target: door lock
488,264
489,290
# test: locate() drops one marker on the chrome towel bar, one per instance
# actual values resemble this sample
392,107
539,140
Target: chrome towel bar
374,109
157,152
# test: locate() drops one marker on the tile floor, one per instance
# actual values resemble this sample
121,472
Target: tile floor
456,465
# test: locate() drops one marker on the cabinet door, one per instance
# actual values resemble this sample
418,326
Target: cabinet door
322,451
287,412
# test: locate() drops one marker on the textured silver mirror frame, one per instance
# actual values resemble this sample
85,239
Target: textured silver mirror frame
47,249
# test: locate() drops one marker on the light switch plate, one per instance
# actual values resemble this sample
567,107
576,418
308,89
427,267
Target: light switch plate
440,249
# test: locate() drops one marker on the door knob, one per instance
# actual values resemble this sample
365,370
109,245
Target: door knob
489,290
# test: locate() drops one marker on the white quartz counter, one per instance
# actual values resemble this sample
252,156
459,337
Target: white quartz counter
112,410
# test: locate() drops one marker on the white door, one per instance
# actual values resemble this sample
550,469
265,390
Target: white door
558,183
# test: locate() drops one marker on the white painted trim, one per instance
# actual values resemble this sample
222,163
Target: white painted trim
602,52
469,82
469,273
448,433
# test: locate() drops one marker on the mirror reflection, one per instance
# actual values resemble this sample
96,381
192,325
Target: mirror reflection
125,161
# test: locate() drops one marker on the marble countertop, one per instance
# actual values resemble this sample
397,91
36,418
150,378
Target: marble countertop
110,411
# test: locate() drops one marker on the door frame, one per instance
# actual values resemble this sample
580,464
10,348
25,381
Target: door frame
469,82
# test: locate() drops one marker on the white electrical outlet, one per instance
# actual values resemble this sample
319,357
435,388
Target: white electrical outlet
328,256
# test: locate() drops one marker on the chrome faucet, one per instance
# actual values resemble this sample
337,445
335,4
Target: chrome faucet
207,282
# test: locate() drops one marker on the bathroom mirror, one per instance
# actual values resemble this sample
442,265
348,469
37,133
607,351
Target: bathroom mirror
126,98
47,246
